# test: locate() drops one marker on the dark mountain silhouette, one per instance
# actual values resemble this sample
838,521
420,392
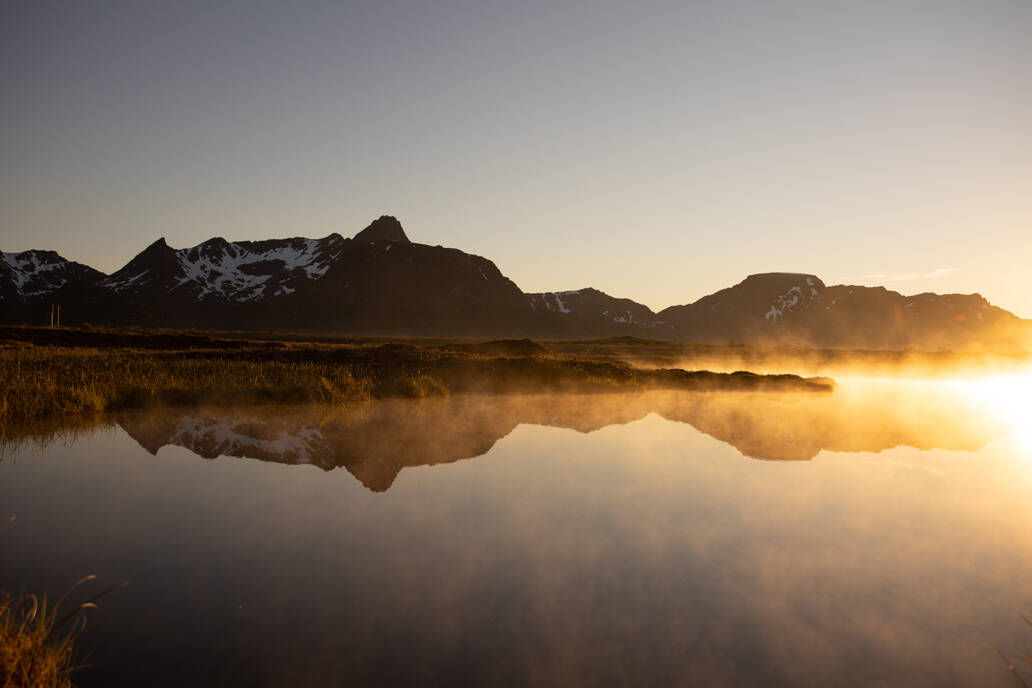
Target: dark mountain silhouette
798,309
379,282
30,274
376,442
590,312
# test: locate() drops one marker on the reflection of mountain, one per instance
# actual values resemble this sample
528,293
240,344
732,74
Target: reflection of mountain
374,442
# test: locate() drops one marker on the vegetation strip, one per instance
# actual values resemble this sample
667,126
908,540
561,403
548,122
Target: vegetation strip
51,380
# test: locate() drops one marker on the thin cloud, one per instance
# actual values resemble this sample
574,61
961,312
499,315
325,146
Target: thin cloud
905,277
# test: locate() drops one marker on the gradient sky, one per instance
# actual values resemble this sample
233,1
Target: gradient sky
658,151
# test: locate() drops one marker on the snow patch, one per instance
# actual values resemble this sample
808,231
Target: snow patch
786,302
224,274
27,267
222,436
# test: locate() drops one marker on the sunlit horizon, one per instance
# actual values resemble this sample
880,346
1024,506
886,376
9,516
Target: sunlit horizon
657,152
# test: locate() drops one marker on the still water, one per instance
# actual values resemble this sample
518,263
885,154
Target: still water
879,535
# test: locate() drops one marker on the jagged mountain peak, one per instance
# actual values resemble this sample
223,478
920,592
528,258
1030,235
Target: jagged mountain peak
35,273
383,228
222,270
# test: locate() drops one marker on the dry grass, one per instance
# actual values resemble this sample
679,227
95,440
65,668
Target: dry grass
36,649
53,382
37,639
73,375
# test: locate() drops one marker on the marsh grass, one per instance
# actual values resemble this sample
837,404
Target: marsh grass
72,376
62,382
37,638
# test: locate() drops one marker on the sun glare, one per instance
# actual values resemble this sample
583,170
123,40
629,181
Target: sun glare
1009,396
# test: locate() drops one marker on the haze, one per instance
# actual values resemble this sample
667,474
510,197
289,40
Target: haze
658,151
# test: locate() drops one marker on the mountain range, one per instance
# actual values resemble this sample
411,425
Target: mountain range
380,282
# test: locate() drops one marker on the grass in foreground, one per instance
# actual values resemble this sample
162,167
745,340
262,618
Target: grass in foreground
36,645
37,639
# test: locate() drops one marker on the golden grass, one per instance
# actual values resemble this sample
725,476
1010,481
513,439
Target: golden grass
33,650
80,374
48,382
37,639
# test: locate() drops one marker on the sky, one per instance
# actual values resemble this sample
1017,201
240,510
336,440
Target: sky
658,151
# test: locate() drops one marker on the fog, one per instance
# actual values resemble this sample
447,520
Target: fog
878,533
375,440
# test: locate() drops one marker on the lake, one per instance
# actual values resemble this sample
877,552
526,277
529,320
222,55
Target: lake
877,535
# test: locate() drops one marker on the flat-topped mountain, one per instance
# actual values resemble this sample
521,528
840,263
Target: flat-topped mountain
380,282
799,309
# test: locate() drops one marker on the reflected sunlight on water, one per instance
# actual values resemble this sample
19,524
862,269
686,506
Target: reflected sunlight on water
877,535
1009,397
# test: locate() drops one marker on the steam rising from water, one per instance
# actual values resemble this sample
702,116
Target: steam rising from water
375,441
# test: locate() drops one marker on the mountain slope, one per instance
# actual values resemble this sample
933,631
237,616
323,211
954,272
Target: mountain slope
380,282
589,312
800,310
33,274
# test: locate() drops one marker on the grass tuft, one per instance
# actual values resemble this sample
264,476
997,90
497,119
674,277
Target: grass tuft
37,638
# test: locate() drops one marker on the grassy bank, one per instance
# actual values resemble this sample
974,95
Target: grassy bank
65,372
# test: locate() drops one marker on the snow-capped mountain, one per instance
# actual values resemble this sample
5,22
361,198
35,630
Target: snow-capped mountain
219,270
33,274
380,282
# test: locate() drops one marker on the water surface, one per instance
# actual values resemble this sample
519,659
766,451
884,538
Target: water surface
879,535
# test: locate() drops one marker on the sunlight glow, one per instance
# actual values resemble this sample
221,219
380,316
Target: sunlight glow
1010,396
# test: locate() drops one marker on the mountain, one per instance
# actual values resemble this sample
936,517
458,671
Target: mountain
590,312
380,282
754,309
221,271
800,310
32,281
32,274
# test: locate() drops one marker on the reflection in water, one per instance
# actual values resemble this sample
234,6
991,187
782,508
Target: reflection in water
376,441
644,552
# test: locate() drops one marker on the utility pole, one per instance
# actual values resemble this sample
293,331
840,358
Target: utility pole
59,315
51,316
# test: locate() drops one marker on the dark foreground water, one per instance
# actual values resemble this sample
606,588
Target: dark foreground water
881,535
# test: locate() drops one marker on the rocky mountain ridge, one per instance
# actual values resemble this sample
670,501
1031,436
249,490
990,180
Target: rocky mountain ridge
380,282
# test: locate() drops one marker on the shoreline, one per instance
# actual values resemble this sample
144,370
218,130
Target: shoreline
77,373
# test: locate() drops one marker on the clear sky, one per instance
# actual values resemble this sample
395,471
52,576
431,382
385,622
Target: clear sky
655,150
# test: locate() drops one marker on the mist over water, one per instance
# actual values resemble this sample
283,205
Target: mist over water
879,534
